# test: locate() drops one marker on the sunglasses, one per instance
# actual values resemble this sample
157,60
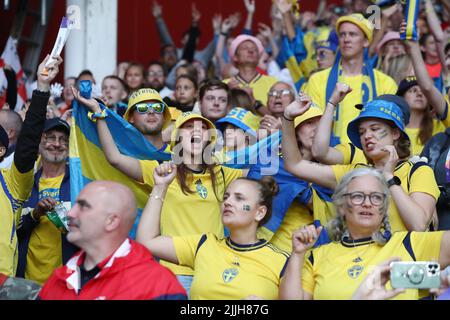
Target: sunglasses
144,107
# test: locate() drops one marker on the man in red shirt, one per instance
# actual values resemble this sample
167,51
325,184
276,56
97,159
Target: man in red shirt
110,266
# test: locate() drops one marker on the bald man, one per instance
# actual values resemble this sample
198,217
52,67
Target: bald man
12,123
110,266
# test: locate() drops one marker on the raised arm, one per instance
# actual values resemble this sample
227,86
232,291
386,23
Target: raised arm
267,33
378,33
149,232
163,32
438,33
285,8
424,80
250,6
33,125
321,149
194,33
291,283
310,171
128,165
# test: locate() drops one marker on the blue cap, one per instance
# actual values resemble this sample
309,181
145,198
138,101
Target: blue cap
4,140
380,109
332,43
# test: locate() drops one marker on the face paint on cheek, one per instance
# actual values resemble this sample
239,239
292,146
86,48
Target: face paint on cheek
246,207
382,134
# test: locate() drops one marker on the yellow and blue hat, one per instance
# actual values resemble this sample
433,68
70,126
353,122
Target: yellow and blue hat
380,109
312,112
358,20
147,94
185,117
240,118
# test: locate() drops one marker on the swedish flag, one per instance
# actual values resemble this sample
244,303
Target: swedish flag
88,162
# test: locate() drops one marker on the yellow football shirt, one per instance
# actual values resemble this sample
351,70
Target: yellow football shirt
44,249
317,86
351,154
15,188
260,85
229,271
186,214
335,270
413,134
422,180
299,215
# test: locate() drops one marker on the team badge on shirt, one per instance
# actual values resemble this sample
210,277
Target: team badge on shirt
201,189
354,271
229,274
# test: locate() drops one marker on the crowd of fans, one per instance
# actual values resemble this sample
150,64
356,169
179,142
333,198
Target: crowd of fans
361,177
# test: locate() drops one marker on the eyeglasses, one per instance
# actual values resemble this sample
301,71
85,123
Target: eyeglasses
276,93
358,198
144,107
53,139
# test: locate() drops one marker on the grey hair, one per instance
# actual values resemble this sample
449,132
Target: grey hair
336,228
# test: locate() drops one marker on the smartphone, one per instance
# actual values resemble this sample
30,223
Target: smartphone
415,274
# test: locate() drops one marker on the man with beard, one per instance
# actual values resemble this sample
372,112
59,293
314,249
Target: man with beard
148,113
42,246
156,79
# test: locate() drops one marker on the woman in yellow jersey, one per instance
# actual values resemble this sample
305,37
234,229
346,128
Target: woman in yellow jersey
240,266
379,132
193,199
429,108
361,240
424,123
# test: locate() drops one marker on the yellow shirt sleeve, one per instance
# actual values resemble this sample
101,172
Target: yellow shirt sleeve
385,84
147,167
231,175
186,248
426,245
315,87
422,180
341,170
19,184
308,282
446,120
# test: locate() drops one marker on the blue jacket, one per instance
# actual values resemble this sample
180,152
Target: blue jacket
27,223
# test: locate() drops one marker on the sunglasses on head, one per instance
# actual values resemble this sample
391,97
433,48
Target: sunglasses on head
144,107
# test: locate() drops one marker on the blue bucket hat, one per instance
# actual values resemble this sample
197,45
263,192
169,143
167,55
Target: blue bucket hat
380,109
240,118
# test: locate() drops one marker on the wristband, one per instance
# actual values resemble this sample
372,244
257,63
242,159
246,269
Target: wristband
287,118
99,115
334,105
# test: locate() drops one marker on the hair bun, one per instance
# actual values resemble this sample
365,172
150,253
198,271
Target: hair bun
270,185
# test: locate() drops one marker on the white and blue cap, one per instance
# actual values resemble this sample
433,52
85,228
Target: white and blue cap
379,109
240,118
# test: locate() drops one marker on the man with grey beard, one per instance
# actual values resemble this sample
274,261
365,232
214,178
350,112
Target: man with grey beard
42,246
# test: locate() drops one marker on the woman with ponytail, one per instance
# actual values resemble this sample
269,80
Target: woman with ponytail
239,266
362,239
